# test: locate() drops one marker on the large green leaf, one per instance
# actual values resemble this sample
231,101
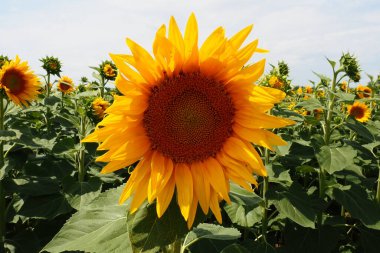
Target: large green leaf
44,207
293,203
306,240
207,234
333,159
234,248
310,104
358,203
148,233
34,186
246,207
359,129
8,135
100,227
80,194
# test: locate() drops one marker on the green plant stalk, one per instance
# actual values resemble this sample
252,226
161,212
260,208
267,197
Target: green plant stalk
265,212
2,192
102,88
378,184
62,99
48,86
327,135
81,165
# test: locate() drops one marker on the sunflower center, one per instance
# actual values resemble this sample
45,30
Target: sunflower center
14,81
357,112
189,117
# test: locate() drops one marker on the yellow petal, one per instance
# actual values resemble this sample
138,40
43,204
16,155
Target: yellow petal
157,174
165,196
261,137
215,174
237,149
144,63
249,74
128,72
129,105
184,185
140,194
191,45
193,212
176,38
213,44
214,205
201,187
261,120
237,40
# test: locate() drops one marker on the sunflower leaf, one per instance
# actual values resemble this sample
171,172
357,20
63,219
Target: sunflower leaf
101,226
207,232
332,159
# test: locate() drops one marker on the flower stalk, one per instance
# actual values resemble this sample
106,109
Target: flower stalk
265,189
2,191
81,155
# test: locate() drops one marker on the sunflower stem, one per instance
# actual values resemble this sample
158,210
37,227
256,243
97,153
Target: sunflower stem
81,166
327,135
48,86
102,88
62,99
378,184
2,191
265,189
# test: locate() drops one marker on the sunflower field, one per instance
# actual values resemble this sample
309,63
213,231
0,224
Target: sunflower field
190,148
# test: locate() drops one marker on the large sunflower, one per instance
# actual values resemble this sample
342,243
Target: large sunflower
359,111
188,116
19,83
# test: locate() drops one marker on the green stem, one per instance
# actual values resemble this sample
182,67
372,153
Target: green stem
102,88
265,189
48,86
2,191
378,184
62,99
81,166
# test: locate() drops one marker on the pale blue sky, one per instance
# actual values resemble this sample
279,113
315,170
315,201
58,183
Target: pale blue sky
82,32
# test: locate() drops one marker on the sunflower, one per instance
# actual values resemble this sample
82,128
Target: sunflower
275,82
299,91
19,83
363,91
65,85
188,116
308,89
359,111
343,86
99,105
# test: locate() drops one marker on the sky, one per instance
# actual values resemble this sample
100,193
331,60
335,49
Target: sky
81,33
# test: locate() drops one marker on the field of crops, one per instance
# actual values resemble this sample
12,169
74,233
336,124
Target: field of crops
273,166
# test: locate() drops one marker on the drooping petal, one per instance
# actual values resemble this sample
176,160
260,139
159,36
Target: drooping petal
184,185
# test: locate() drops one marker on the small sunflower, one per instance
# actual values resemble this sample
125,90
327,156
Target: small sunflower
19,83
343,86
299,91
188,116
363,91
65,85
99,105
108,70
359,111
275,82
308,89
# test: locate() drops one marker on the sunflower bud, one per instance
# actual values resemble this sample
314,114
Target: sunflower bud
350,66
3,60
52,65
108,70
283,68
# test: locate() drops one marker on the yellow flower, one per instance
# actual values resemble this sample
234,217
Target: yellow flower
320,94
275,82
363,91
359,111
188,116
308,89
65,85
19,83
343,86
109,71
99,105
318,113
299,91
